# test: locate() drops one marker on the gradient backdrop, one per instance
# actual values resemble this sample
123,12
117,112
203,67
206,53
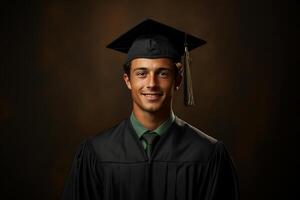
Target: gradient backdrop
59,85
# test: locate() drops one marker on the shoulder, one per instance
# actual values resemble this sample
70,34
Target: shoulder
198,145
193,132
110,137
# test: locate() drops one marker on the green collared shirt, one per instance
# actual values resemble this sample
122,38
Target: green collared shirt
140,129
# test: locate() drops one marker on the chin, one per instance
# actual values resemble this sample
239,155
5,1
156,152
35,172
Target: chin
155,107
151,109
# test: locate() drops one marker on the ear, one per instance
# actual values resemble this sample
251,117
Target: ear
127,81
178,81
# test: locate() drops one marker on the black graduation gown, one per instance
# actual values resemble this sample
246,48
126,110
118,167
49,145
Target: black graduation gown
185,164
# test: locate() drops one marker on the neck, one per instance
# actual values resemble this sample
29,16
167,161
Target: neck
151,120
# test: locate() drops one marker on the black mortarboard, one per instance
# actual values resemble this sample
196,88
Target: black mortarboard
151,39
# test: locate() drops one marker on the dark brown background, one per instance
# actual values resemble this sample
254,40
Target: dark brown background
59,85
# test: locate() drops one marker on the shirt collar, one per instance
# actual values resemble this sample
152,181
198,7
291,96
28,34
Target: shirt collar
140,129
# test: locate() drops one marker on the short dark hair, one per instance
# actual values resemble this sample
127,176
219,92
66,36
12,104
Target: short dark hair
126,68
177,67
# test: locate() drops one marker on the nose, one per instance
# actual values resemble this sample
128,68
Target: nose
152,81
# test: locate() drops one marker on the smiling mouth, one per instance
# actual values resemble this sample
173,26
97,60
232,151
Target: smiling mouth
152,96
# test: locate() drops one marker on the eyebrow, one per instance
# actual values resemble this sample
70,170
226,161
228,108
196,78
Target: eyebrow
158,69
140,68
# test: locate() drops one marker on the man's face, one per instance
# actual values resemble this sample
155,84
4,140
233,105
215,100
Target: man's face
152,83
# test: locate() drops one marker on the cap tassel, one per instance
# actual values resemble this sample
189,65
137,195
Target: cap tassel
188,89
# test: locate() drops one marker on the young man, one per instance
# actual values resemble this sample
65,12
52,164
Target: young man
153,154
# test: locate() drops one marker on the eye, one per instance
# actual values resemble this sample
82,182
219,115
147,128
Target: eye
163,73
140,73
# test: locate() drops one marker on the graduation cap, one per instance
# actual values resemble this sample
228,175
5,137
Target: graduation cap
152,39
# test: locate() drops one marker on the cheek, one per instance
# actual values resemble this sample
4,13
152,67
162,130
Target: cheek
137,84
167,84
